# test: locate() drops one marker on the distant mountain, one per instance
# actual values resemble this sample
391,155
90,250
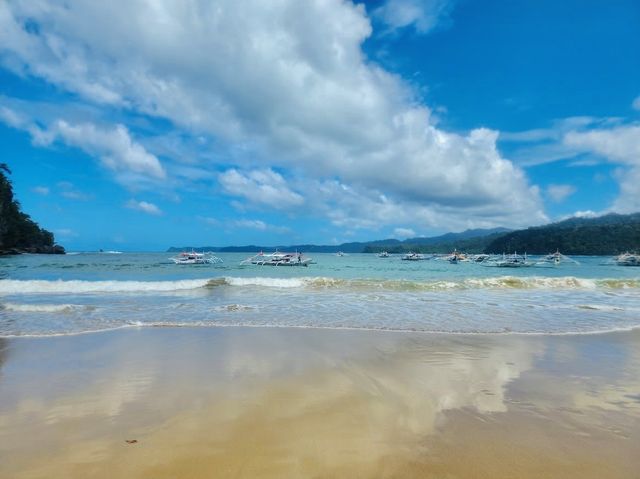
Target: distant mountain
453,237
604,235
470,240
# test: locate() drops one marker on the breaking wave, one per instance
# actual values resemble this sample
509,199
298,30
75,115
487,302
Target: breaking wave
43,308
501,282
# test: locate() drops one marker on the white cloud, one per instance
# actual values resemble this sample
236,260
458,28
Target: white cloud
423,15
144,206
209,220
260,187
559,193
75,195
586,214
636,103
403,233
113,146
254,224
260,226
352,207
41,190
71,193
281,85
619,145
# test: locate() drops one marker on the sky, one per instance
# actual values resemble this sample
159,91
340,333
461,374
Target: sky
142,124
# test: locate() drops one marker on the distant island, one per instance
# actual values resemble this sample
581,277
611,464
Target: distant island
609,234
18,232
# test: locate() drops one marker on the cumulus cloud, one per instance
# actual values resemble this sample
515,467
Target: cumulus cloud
144,206
559,193
287,84
423,15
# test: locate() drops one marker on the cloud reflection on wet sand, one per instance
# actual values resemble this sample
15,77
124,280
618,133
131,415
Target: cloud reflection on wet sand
296,403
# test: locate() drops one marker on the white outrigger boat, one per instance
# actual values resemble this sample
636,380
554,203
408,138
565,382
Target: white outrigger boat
195,258
278,259
628,259
414,257
509,261
556,259
383,254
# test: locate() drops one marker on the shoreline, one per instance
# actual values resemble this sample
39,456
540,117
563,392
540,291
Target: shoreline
152,326
291,402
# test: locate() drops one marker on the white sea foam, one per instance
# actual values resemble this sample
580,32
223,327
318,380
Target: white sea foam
10,286
42,308
268,282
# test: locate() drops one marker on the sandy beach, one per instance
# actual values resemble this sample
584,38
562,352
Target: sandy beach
270,402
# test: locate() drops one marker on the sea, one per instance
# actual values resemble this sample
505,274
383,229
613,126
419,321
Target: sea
48,295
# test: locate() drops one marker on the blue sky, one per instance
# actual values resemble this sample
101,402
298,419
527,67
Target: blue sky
140,125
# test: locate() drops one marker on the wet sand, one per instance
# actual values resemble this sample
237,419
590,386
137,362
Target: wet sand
242,402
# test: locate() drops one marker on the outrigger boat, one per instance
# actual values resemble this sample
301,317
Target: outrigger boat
509,261
556,258
414,257
278,259
628,259
195,258
383,254
456,257
480,258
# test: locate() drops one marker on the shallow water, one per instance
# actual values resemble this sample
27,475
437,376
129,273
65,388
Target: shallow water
50,295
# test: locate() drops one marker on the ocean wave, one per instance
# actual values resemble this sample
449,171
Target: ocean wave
43,308
499,282
8,286
11,286
268,282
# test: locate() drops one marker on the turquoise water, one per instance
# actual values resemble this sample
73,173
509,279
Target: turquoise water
47,295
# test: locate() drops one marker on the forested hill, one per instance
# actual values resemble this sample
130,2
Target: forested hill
605,235
18,232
